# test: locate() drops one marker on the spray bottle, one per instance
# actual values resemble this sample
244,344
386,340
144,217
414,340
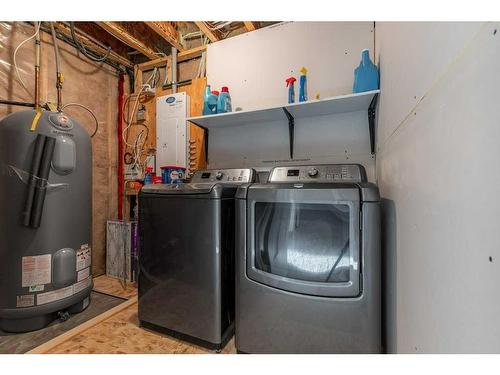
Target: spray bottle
291,89
303,85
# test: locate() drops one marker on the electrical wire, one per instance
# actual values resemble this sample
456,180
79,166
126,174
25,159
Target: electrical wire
91,55
137,147
89,110
217,25
134,108
37,30
165,81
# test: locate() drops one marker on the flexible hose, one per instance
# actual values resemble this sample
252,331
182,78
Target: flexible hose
82,49
37,30
88,110
56,48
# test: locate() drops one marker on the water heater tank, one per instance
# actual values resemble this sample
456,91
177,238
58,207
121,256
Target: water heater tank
45,219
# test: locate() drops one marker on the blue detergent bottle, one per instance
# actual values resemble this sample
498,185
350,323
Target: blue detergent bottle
291,89
208,92
212,102
366,75
303,85
224,102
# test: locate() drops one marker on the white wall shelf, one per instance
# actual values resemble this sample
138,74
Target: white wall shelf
364,101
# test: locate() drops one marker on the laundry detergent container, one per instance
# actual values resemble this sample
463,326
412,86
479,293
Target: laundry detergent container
45,221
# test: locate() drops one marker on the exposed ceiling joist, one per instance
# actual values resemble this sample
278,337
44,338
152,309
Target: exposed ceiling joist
120,33
181,56
167,32
251,25
213,35
191,53
88,43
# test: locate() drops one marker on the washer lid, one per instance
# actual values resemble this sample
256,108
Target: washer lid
192,190
197,188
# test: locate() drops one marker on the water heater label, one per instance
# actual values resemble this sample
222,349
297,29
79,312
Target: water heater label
83,274
82,285
25,301
54,295
36,288
83,257
36,270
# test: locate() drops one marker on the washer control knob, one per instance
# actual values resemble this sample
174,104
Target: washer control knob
219,175
313,172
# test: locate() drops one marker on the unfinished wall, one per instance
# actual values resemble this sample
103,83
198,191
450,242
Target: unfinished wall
437,169
88,83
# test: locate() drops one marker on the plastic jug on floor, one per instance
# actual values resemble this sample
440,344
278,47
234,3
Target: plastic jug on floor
366,75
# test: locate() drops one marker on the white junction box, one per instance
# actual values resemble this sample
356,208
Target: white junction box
172,131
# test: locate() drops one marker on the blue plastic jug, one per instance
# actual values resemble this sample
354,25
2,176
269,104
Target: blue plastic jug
212,102
224,101
206,109
366,75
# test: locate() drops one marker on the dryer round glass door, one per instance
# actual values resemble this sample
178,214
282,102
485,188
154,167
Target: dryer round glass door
307,244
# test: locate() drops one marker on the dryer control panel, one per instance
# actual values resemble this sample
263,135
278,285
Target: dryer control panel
325,173
236,175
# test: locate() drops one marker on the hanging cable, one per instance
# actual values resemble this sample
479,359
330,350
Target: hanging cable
91,55
217,25
37,30
88,110
131,115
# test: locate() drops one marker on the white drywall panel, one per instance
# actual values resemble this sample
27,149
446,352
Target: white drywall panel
414,56
439,178
255,65
341,138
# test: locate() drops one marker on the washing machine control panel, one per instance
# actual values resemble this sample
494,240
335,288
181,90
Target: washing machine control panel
319,173
237,175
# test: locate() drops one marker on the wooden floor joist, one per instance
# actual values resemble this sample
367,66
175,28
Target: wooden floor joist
44,348
167,32
121,34
251,25
181,56
213,35
65,30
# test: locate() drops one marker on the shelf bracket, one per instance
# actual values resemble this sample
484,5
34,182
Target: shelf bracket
291,129
206,144
371,122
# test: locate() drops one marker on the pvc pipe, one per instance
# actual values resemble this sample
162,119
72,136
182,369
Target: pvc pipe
174,70
14,102
40,191
35,166
121,84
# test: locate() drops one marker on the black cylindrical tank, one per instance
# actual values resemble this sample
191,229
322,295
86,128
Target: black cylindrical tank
45,219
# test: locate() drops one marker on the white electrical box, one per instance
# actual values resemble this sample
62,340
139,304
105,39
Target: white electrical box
172,131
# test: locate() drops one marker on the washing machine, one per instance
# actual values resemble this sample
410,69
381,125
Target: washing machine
186,256
308,273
